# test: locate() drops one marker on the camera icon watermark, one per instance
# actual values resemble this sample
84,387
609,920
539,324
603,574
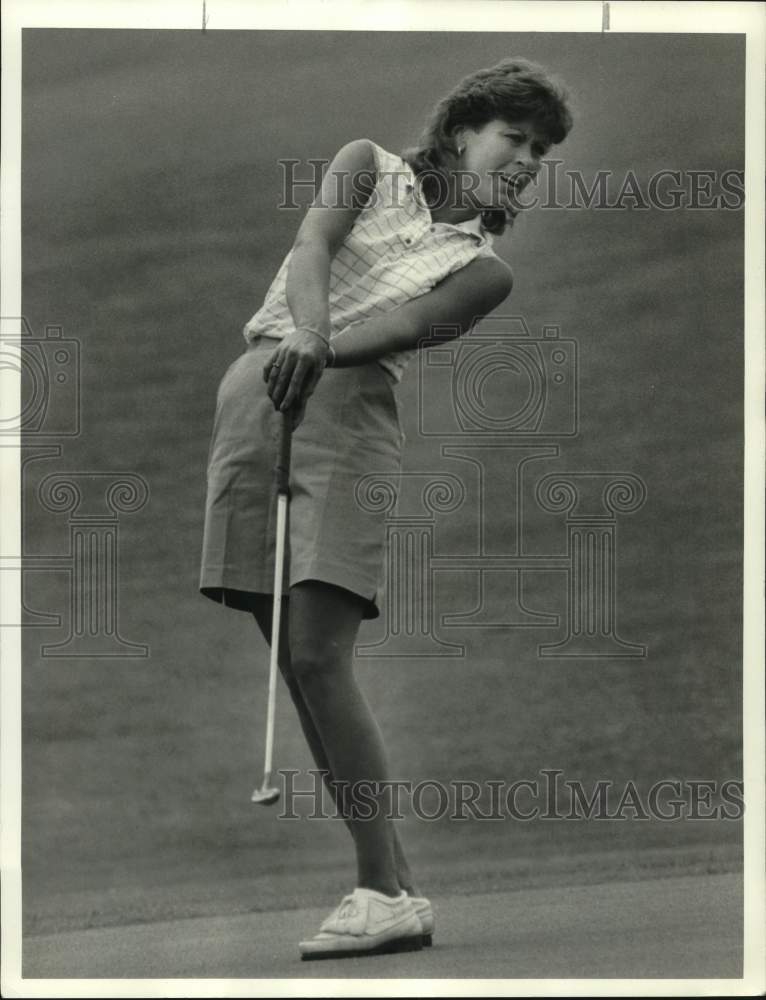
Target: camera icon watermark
40,380
502,381
41,408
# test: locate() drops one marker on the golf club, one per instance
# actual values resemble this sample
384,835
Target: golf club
268,794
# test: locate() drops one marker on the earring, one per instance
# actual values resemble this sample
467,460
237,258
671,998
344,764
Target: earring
460,150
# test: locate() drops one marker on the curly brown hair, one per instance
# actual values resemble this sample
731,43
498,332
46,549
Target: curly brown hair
513,89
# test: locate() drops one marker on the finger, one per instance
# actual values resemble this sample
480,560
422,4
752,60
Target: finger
268,367
279,380
271,375
308,391
276,364
295,388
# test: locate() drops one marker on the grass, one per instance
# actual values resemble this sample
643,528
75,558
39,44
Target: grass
150,235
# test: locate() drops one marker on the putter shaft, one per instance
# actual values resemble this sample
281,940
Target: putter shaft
282,478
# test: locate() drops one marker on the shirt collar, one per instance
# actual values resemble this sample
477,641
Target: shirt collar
471,226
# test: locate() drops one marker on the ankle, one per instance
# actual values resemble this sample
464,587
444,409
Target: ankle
405,881
385,888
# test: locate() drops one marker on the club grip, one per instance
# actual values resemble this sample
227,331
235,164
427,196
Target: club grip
282,470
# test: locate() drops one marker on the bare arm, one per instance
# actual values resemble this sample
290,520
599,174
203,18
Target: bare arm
302,355
346,188
459,301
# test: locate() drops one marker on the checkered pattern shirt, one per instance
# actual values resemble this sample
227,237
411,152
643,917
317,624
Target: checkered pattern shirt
393,253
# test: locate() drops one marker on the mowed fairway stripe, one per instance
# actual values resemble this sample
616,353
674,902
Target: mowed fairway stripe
684,927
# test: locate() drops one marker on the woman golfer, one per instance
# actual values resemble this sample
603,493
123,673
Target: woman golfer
391,247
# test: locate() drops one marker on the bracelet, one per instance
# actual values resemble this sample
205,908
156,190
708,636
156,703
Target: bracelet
311,329
330,362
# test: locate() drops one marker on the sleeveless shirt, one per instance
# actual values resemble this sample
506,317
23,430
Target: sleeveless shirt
394,252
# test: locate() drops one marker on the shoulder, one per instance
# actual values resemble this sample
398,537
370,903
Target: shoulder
375,174
368,155
352,173
367,165
359,152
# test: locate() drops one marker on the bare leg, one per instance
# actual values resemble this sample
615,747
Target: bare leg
262,614
327,623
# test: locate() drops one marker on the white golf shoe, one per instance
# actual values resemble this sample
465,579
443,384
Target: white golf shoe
422,907
366,923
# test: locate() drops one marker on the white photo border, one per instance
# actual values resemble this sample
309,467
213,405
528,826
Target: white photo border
460,15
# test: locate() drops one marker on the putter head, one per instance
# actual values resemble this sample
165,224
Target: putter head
266,795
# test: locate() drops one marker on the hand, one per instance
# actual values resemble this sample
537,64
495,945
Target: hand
293,370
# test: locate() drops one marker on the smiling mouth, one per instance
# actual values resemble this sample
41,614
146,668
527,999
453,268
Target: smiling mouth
515,184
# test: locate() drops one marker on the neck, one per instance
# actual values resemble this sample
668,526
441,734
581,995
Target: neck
453,208
444,213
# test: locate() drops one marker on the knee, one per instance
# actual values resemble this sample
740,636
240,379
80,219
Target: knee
316,668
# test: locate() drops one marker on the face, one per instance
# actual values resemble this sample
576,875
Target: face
500,159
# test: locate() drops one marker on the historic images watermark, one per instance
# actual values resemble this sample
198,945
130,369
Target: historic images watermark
668,189
549,795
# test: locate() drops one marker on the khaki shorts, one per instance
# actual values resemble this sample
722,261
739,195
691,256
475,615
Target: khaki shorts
351,428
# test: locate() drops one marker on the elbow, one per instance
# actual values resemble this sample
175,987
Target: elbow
498,291
501,287
509,283
310,256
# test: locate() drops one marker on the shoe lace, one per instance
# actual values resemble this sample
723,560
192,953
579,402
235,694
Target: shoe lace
348,908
